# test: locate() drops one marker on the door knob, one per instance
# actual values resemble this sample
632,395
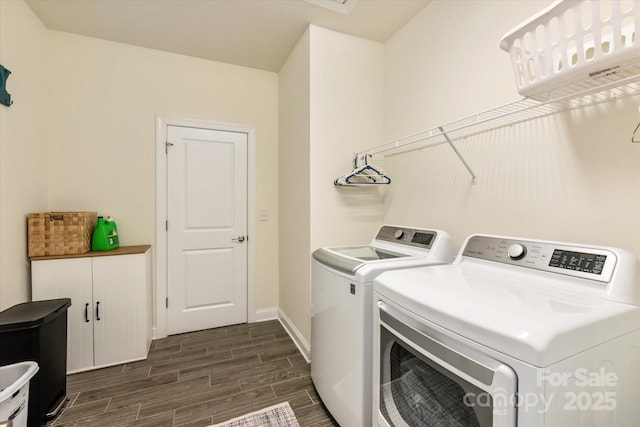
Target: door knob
239,239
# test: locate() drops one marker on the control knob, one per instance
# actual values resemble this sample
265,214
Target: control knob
517,251
398,234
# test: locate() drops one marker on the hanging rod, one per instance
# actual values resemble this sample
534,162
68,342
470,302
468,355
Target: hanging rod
620,83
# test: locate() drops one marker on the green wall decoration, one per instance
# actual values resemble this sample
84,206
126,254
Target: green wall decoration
5,97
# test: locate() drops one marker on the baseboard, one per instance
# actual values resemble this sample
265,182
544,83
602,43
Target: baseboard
265,314
274,313
296,336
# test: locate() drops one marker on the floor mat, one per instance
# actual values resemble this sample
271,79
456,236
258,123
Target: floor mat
280,415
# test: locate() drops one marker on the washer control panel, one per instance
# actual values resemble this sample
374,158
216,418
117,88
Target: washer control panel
407,236
584,262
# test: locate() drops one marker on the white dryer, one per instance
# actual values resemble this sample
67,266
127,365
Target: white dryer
515,332
341,312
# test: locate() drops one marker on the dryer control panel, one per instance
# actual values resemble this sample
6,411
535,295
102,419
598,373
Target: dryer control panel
407,236
584,262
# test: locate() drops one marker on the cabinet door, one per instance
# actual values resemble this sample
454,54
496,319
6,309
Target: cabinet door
69,278
120,308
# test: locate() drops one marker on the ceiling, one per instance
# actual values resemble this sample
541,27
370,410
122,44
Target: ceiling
253,33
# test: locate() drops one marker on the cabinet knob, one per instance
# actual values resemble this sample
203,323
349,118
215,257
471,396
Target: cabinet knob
98,310
86,312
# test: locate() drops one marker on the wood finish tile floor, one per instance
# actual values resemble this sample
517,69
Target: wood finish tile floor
198,379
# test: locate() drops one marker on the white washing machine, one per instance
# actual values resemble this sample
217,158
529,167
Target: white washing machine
341,312
514,332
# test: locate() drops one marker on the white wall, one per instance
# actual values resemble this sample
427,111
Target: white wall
570,177
347,76
23,144
330,107
81,135
103,101
294,182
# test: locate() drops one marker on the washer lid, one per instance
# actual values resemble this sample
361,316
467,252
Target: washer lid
529,316
349,258
367,253
393,247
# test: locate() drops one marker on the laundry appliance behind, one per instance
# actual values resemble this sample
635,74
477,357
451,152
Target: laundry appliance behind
342,302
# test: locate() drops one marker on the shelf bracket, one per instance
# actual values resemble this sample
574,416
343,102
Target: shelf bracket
466,165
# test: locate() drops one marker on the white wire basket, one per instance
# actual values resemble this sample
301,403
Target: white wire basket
571,41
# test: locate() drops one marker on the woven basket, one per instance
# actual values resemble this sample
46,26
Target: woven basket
60,233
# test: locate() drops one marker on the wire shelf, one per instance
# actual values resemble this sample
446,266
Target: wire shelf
605,86
616,84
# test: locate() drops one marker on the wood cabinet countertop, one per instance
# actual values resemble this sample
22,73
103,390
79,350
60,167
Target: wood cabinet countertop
122,250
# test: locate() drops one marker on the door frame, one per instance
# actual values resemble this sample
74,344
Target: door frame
161,251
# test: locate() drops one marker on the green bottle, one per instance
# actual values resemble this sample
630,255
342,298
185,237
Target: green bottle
105,235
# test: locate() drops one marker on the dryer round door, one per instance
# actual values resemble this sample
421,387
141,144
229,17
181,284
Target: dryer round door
425,377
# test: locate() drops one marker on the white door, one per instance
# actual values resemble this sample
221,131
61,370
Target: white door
207,223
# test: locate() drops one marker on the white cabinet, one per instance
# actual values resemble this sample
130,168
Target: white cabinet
109,321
